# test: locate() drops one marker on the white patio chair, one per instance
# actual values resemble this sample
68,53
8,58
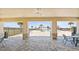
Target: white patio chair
1,40
67,39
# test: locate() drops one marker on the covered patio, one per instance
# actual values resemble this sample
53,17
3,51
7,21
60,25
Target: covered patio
27,43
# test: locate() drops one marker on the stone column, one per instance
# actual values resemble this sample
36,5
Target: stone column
25,35
54,34
54,30
1,29
77,26
25,30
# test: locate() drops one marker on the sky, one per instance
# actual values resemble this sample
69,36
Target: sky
11,24
36,23
63,24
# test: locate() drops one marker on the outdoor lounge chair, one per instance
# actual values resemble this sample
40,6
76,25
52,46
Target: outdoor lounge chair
1,41
2,37
67,39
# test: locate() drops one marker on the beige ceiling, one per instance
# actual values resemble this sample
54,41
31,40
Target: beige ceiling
32,12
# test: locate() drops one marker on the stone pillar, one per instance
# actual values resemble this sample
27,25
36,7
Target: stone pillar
54,30
25,34
54,34
1,29
77,26
25,30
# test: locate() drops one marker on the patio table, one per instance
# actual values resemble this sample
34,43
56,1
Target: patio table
75,39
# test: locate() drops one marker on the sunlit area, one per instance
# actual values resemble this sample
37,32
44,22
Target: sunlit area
12,38
40,35
39,28
65,27
12,28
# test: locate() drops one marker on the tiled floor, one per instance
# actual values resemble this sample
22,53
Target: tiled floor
14,44
40,43
43,43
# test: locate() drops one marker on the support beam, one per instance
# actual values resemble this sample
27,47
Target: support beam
20,19
14,19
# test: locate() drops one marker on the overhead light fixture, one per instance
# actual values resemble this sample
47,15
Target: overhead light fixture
38,11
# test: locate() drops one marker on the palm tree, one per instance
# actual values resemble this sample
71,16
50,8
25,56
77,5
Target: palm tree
41,27
20,24
70,23
48,28
31,27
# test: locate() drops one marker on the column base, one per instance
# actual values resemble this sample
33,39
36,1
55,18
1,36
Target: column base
54,45
54,36
25,36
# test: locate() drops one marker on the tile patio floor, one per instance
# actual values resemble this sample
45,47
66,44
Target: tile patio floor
43,43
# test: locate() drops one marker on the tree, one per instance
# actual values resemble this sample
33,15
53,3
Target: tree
20,24
48,28
70,23
74,29
41,27
31,27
